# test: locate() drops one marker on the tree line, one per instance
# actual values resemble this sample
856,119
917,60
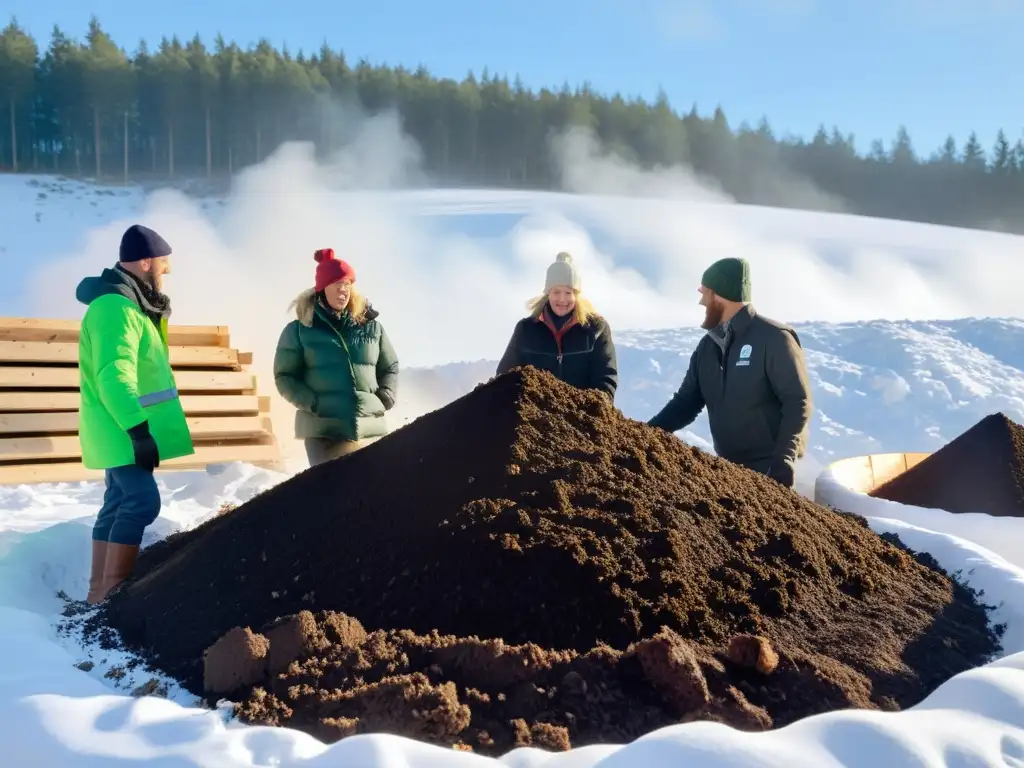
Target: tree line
183,109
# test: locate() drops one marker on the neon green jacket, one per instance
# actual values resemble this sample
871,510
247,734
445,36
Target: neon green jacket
125,375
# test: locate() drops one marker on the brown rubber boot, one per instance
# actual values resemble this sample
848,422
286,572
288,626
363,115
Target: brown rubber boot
99,564
119,564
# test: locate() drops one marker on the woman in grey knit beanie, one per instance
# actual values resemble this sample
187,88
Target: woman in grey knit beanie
564,335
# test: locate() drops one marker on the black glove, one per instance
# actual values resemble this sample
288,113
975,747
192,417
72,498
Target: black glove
782,473
147,455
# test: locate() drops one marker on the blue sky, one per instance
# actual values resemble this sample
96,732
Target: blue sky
937,66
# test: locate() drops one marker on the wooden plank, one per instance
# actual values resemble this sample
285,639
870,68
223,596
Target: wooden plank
209,381
32,329
28,449
52,352
277,465
38,352
886,466
201,427
41,423
44,329
38,401
18,377
206,357
230,427
855,473
194,405
70,472
913,459
25,449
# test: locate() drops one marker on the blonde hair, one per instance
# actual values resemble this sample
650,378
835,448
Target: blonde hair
357,305
582,313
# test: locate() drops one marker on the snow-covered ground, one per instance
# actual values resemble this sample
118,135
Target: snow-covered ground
65,704
879,385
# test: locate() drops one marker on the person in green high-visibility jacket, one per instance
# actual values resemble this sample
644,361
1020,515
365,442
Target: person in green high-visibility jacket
130,416
335,364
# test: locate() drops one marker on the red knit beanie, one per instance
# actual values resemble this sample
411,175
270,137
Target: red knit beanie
330,269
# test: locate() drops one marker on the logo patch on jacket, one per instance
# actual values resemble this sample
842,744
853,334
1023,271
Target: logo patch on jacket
745,352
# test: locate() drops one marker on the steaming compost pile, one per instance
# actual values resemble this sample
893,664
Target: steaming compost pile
982,470
528,566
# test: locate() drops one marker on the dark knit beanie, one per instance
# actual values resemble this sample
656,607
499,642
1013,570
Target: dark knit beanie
139,242
729,278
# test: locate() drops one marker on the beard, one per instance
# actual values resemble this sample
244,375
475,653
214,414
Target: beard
154,287
712,316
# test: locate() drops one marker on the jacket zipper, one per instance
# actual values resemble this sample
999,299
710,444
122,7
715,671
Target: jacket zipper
723,370
558,333
344,346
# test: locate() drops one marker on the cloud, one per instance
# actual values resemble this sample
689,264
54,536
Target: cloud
708,20
689,20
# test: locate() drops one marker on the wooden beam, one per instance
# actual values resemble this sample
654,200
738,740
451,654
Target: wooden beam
194,405
66,352
201,427
41,423
32,329
72,471
223,381
38,401
206,357
28,449
41,329
17,377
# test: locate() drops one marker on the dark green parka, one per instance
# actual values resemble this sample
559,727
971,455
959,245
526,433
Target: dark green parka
341,375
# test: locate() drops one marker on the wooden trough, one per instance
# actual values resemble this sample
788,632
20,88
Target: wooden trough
862,474
39,400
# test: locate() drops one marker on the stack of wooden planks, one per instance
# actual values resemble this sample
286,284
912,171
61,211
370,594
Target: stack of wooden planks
39,401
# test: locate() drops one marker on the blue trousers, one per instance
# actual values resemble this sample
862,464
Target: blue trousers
130,503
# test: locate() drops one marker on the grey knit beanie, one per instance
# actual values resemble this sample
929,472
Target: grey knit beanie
562,272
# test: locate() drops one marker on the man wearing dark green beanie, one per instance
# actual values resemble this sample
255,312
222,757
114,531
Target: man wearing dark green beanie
750,373
725,285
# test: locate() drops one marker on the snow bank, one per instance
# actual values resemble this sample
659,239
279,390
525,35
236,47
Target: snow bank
1003,536
53,715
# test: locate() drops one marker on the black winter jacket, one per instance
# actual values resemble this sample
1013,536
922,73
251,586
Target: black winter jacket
580,355
757,393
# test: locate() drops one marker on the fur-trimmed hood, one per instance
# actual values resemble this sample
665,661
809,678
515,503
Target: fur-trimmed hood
305,304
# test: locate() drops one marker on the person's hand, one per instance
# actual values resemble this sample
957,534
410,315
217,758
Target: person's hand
147,454
386,399
782,473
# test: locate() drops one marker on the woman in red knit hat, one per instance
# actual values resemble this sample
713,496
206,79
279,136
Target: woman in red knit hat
335,364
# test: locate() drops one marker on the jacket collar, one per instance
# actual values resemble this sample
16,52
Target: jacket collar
305,305
741,320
